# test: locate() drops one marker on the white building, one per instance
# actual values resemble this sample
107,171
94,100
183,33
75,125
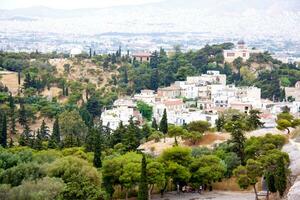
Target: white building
191,116
240,51
122,111
74,52
147,96
210,78
293,91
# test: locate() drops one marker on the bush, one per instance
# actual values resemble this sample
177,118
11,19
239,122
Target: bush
156,136
43,189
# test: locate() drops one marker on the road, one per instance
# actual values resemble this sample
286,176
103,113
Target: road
215,195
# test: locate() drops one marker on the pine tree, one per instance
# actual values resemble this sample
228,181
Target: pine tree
117,135
97,152
163,126
38,141
4,131
12,125
143,186
44,131
25,139
132,136
154,124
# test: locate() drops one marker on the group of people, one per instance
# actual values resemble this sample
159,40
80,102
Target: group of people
189,189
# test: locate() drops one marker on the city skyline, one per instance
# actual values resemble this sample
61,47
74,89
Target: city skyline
67,4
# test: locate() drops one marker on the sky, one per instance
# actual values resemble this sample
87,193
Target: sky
69,4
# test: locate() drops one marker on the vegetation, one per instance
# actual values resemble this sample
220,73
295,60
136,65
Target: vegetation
57,148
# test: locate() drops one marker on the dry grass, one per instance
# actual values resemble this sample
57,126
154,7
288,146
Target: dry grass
10,79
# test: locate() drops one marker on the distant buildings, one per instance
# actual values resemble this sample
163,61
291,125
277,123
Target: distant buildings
141,57
241,50
74,52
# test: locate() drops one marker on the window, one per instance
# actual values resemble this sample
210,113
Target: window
230,54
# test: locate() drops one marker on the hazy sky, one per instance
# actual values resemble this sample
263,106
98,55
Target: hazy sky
69,4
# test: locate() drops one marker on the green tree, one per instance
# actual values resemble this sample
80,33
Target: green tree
201,169
81,178
253,120
199,126
249,174
236,128
146,131
281,174
55,136
145,110
143,186
132,136
163,126
72,128
97,151
44,130
117,134
176,131
154,124
155,175
12,115
4,131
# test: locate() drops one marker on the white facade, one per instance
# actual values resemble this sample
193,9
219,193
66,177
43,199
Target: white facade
123,110
147,96
240,51
188,117
211,77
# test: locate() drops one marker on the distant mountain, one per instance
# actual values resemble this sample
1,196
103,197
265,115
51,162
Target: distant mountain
242,18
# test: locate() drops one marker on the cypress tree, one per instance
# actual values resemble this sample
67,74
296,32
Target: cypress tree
12,115
4,131
97,152
154,79
154,124
143,186
22,115
281,176
146,131
56,132
163,126
19,76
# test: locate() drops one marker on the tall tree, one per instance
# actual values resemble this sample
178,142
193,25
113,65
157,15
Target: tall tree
132,136
97,151
12,115
4,131
143,186
23,115
154,81
55,136
281,174
236,127
38,141
118,134
163,126
44,130
154,124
